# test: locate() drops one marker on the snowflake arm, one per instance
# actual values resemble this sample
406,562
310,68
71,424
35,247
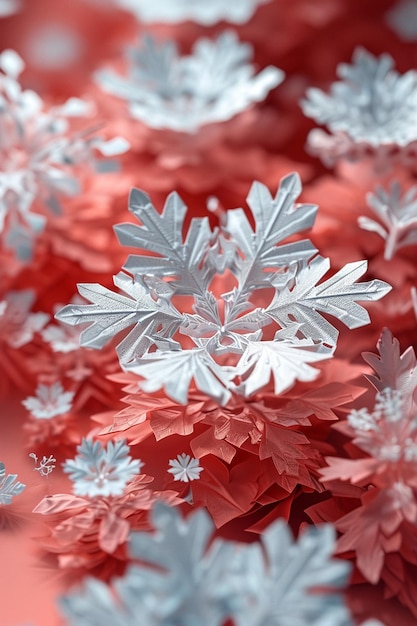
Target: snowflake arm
98,471
113,312
9,486
336,296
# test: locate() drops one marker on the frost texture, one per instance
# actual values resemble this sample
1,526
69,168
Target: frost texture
50,401
373,105
397,215
9,486
238,344
38,155
205,583
98,471
182,93
205,12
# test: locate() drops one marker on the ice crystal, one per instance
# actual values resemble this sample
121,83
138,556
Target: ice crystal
9,486
39,155
184,468
46,464
182,93
398,214
205,12
98,471
50,401
230,354
205,582
373,105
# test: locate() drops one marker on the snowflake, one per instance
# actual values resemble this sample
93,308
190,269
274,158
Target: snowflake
184,468
50,401
387,433
17,325
199,581
205,12
39,156
9,486
182,93
98,471
372,106
398,216
226,328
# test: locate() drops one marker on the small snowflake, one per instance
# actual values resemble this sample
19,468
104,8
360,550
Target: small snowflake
9,486
397,215
17,325
50,401
98,471
372,106
185,468
46,464
39,156
213,84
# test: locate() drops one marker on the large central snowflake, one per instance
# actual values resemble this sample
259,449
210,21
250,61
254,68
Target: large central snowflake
229,308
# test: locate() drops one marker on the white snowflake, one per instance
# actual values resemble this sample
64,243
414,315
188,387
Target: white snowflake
17,325
389,432
187,578
205,12
182,93
50,401
230,353
38,152
185,468
398,217
99,471
9,486
373,105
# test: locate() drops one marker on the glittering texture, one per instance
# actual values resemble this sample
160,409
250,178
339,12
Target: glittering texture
182,93
228,330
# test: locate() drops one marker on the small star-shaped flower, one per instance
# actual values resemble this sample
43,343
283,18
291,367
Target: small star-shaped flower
185,468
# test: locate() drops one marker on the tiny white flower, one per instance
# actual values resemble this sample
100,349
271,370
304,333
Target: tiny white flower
185,468
50,401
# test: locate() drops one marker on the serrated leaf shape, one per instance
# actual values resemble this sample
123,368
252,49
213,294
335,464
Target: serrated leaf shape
174,371
9,486
336,296
285,359
394,370
113,312
276,219
162,234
